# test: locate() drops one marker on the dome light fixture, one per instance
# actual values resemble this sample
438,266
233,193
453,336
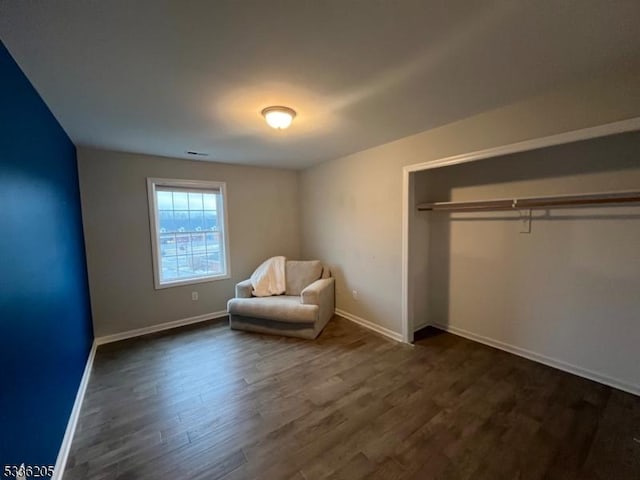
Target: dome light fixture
279,117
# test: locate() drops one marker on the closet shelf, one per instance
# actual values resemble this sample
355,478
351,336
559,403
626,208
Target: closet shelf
532,203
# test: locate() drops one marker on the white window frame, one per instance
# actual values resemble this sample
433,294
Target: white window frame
152,183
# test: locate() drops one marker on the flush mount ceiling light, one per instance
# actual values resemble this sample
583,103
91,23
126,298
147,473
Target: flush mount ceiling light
279,117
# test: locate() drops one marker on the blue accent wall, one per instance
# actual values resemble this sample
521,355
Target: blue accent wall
45,318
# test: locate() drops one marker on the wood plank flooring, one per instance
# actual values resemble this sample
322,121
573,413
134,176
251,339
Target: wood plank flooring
205,402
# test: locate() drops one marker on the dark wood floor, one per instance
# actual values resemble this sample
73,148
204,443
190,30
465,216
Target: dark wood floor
205,402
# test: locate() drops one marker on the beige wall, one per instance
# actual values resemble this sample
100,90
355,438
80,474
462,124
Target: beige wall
352,205
567,291
263,221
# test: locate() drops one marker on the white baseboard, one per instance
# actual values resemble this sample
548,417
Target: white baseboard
63,453
370,325
420,326
159,327
536,357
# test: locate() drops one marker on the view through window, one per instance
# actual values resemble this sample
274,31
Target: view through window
189,224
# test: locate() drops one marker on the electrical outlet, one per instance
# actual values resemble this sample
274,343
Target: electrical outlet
194,296
354,293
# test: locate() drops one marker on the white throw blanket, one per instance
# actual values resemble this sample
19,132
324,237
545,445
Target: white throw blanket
268,279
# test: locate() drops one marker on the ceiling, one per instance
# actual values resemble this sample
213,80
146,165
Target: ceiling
164,77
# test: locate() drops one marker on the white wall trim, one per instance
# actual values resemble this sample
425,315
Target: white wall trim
420,326
370,325
63,453
622,126
154,227
628,125
159,327
549,361
405,304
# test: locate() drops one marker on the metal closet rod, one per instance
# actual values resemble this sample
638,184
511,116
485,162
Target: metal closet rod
531,203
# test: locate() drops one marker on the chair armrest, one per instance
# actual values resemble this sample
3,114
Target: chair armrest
315,292
244,289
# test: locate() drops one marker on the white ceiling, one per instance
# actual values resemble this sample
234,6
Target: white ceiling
163,77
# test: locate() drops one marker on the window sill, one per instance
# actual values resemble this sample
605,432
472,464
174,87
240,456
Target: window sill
191,281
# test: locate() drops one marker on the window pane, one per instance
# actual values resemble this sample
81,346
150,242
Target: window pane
169,268
213,244
195,201
213,263
165,201
210,201
184,266
165,219
210,220
183,243
181,219
196,221
167,245
180,201
198,243
200,264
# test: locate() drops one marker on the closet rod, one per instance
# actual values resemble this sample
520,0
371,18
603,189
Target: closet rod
531,203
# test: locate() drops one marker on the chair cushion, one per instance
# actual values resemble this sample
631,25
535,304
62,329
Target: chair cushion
299,274
326,272
283,308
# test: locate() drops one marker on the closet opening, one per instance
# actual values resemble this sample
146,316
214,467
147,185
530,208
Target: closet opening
532,248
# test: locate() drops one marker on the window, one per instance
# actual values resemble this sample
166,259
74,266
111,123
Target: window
188,231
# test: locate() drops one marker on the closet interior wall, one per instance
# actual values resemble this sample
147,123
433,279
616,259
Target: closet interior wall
568,291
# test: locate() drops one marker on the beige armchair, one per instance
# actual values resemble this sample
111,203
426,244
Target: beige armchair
303,311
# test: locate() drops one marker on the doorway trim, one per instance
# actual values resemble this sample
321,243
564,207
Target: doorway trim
623,126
